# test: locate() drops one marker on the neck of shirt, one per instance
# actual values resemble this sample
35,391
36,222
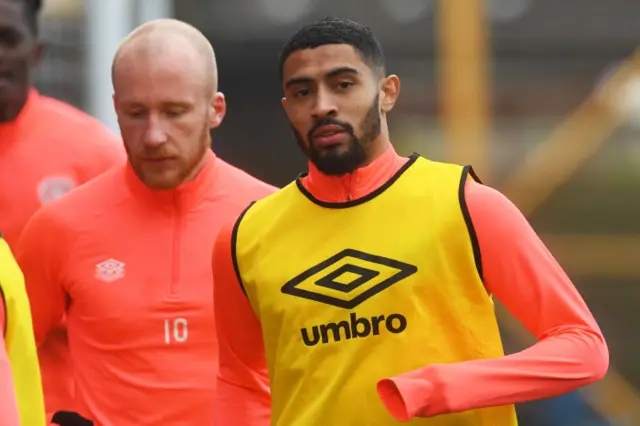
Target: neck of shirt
9,129
182,197
360,183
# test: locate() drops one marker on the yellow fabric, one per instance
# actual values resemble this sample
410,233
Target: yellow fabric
20,342
419,298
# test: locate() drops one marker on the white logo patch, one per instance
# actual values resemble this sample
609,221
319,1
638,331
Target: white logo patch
110,270
54,187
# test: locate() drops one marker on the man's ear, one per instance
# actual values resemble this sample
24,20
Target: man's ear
285,105
37,54
217,110
390,90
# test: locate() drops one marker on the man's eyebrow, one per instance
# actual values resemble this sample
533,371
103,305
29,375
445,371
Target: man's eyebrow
333,73
342,70
298,80
179,104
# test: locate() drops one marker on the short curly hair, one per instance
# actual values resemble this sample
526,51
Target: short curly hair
337,31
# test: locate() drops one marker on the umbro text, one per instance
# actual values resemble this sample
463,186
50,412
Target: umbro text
353,328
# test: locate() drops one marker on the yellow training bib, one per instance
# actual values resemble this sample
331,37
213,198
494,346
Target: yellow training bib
354,292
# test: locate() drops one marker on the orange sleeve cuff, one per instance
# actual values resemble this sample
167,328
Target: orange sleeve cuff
405,397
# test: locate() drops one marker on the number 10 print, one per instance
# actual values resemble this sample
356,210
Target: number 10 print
175,330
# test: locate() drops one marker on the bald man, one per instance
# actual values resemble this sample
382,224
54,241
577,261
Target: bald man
127,257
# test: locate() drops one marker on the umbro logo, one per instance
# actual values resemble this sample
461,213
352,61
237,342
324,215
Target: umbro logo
349,278
54,187
110,270
346,280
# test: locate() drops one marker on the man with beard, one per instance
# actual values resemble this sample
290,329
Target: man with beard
47,148
362,292
127,257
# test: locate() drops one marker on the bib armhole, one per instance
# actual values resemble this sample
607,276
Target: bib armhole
234,244
466,172
3,306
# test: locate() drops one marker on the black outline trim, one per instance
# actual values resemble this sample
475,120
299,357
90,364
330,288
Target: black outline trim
234,243
466,171
361,200
4,302
6,316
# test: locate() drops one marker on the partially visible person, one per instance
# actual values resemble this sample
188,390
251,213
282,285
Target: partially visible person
127,256
21,398
47,148
361,293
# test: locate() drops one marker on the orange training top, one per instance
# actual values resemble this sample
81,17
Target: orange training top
517,269
131,269
47,150
50,148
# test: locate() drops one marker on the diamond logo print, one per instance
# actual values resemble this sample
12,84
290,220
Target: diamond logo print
349,278
332,280
54,187
110,270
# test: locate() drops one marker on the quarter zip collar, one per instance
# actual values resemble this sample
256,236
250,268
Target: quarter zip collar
185,196
352,186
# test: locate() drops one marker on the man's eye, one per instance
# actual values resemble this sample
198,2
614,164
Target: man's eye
302,92
135,114
344,85
10,38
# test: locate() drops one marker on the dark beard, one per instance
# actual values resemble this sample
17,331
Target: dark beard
336,162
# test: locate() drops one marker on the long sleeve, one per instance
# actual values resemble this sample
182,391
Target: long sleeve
8,404
40,254
520,272
242,396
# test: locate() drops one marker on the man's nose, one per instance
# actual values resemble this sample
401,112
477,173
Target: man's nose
155,134
324,106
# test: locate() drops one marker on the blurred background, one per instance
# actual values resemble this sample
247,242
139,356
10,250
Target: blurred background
541,96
